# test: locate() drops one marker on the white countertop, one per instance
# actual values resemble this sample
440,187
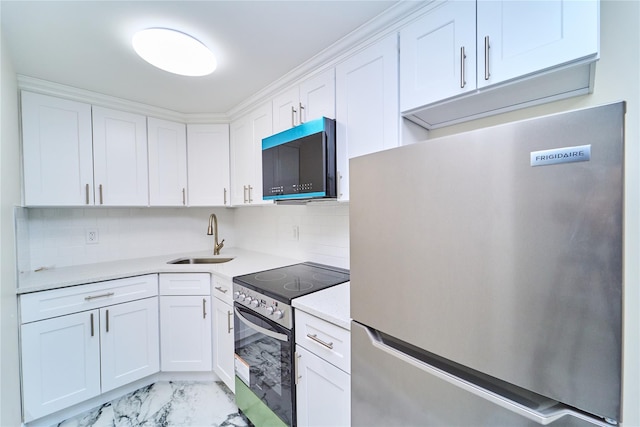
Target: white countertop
244,262
331,304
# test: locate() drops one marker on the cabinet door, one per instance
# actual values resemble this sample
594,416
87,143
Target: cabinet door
323,392
129,342
223,342
167,163
208,160
241,159
438,55
60,362
185,332
246,155
286,110
524,37
57,151
318,97
120,158
262,127
367,113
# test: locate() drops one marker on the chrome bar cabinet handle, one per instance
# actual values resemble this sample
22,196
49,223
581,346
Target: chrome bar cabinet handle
293,116
463,82
86,191
204,308
92,297
184,197
107,327
225,195
486,58
229,328
315,338
296,369
92,325
301,107
100,189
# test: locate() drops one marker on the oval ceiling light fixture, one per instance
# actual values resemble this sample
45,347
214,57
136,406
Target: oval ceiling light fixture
174,51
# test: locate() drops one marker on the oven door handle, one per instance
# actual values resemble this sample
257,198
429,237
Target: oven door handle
276,335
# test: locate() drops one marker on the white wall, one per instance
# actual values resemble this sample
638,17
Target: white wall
9,196
317,232
617,78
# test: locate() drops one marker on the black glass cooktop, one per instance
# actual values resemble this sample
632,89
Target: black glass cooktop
286,283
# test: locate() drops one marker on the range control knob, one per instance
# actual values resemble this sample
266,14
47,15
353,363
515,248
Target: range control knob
255,302
247,299
270,310
236,294
278,314
240,297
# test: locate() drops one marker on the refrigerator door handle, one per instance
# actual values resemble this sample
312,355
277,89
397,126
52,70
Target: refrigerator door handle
550,414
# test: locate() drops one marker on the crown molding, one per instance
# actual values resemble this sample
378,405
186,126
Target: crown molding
59,90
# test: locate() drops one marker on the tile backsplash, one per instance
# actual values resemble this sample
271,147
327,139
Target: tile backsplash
57,237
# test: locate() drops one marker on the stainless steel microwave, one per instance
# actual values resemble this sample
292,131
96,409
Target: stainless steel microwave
300,163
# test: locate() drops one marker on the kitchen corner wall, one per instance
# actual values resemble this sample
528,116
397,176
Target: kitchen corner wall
317,232
56,237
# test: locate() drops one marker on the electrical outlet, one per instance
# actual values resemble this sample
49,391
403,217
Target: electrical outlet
91,237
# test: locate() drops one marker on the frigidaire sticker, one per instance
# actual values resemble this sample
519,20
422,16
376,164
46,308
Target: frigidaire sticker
554,156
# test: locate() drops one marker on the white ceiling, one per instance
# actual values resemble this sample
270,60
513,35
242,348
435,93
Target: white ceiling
86,44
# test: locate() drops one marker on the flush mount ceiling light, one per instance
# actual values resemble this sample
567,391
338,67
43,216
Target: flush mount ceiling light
173,51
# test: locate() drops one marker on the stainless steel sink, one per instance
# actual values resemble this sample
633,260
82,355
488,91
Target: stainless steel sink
216,260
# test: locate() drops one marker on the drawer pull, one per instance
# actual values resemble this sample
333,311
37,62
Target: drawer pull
221,289
319,341
92,297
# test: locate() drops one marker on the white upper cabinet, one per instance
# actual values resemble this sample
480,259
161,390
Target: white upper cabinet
466,59
367,114
312,99
120,158
57,151
247,133
518,38
208,164
438,55
167,163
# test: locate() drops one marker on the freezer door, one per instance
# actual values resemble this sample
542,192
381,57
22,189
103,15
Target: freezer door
465,246
392,388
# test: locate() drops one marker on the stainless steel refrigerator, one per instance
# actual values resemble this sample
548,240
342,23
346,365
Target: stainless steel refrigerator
486,276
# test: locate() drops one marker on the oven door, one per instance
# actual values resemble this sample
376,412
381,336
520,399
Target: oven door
263,367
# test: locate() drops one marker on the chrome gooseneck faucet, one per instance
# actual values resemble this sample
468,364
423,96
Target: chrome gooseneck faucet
213,231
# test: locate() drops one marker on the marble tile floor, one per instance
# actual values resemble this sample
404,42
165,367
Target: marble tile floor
188,404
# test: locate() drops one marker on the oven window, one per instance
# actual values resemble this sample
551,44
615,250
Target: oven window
264,362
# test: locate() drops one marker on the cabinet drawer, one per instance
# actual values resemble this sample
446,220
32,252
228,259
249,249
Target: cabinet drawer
185,284
222,289
324,339
58,302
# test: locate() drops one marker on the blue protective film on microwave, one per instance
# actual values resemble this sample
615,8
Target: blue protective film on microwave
300,131
295,196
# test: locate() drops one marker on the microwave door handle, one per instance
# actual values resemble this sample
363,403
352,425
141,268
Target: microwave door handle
249,324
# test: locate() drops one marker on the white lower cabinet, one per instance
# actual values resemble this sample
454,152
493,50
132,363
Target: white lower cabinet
185,322
81,341
323,392
223,342
185,327
129,340
323,380
60,363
